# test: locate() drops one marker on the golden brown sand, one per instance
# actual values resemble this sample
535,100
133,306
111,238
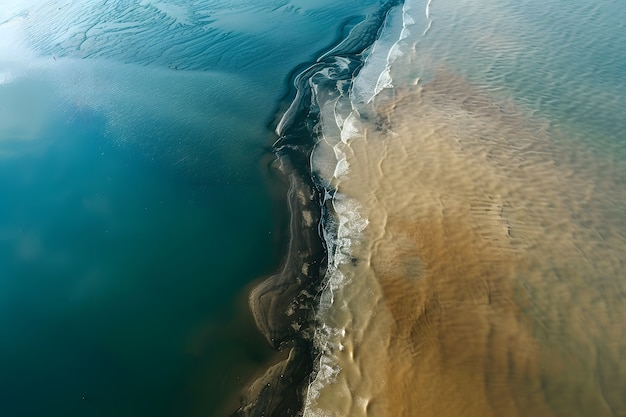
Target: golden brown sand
490,280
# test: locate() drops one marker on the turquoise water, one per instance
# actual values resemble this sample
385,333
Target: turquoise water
120,278
106,285
135,202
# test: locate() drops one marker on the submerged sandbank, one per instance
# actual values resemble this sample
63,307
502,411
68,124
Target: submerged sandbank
489,280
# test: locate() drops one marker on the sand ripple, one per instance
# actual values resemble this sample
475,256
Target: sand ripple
489,280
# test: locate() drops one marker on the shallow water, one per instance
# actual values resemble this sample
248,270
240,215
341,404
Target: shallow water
474,284
476,231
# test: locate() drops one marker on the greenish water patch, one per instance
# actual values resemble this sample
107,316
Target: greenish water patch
122,282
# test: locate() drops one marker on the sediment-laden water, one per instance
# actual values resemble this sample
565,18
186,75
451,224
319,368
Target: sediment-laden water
473,175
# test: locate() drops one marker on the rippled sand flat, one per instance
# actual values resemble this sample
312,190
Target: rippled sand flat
490,278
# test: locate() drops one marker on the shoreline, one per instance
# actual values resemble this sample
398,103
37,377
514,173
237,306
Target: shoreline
285,305
430,231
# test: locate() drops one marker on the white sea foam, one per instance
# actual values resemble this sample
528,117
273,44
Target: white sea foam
403,40
330,393
384,81
430,21
368,83
345,231
349,130
339,126
430,24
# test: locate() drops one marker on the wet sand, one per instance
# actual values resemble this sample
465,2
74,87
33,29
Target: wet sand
490,278
282,305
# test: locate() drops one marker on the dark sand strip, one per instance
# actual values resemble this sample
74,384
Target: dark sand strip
282,306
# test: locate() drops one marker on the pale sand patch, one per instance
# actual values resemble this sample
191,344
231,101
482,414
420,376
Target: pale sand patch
490,279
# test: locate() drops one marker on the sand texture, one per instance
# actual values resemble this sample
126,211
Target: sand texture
490,278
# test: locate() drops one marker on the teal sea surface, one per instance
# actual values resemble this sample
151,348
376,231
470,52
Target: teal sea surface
135,203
